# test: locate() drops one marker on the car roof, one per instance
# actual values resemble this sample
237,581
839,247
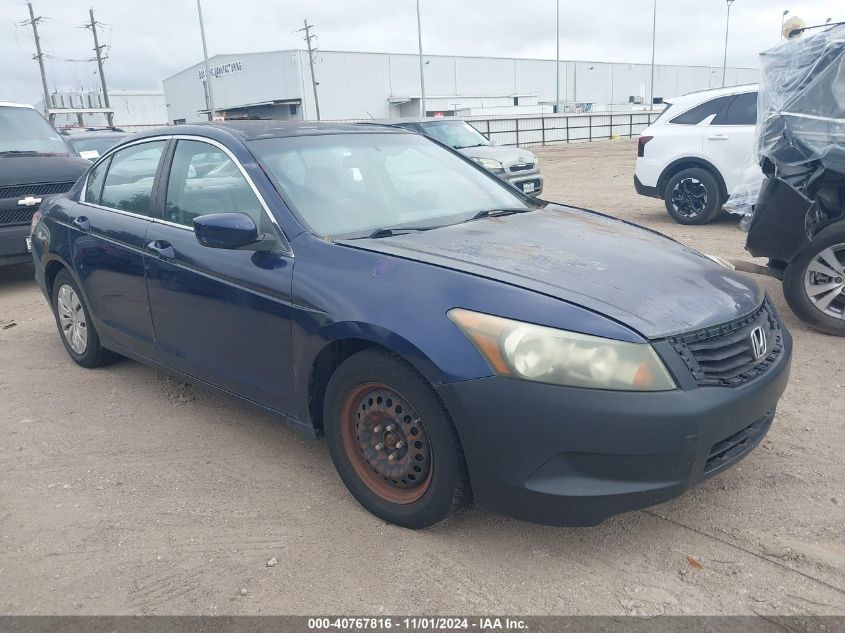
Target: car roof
253,130
12,104
414,119
95,134
700,96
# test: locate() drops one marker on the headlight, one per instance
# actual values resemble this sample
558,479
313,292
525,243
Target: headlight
489,163
544,354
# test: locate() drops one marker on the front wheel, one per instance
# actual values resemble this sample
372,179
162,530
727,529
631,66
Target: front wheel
392,441
692,196
814,282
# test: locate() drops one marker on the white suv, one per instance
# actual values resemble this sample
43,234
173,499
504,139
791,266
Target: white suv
695,153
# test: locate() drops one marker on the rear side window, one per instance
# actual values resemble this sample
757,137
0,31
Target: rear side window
741,111
702,111
131,174
94,184
203,179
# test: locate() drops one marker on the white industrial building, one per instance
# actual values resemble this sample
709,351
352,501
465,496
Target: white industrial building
133,110
277,84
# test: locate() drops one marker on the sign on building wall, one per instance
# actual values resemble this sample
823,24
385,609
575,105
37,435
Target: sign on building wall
223,69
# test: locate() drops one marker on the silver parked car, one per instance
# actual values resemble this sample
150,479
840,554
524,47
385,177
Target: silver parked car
517,166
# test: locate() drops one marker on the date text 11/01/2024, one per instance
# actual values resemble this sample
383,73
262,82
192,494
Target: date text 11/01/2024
418,624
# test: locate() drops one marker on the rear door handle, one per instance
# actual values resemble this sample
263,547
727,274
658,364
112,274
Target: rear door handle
82,223
718,137
162,248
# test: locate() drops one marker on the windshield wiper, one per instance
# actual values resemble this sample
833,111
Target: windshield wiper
495,213
396,230
468,146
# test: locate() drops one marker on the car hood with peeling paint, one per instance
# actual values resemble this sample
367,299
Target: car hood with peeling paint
641,278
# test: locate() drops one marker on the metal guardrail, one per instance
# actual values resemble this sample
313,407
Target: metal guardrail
562,128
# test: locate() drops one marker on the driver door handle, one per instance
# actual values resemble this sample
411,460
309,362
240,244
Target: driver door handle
82,223
718,137
162,248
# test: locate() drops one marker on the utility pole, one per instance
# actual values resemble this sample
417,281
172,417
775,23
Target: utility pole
38,54
98,51
653,40
311,52
727,25
557,57
422,73
211,111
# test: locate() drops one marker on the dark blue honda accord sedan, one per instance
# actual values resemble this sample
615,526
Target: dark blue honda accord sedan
451,337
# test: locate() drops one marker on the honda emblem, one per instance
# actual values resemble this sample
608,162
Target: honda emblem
758,342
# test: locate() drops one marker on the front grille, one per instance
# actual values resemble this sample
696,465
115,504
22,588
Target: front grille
36,189
522,167
734,447
17,216
724,354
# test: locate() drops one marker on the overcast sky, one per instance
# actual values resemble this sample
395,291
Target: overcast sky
149,40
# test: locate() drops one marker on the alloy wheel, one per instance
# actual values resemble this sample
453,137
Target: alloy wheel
72,319
824,281
689,197
386,443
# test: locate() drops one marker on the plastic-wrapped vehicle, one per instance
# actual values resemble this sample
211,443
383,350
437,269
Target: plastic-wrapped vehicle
798,221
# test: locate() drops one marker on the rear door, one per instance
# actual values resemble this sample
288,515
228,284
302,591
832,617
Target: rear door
729,141
222,316
107,238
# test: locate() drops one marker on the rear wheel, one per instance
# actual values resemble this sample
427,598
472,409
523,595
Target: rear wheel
814,282
75,328
692,196
392,441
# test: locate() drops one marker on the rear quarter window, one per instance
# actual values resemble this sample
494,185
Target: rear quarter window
700,112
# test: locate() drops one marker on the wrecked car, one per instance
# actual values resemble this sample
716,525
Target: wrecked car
796,218
450,336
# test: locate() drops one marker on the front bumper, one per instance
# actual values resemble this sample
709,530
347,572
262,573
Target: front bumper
568,456
13,248
524,181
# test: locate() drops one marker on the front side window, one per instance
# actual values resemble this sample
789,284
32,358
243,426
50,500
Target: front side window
131,174
741,111
353,184
457,134
700,112
203,180
23,130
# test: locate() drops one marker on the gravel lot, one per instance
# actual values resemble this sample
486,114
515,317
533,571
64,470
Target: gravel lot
124,491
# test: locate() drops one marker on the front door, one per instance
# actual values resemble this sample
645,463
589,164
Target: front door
222,316
107,236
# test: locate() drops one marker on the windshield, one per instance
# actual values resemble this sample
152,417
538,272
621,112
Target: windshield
24,130
457,134
99,144
353,184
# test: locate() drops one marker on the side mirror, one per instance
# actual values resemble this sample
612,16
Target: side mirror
226,230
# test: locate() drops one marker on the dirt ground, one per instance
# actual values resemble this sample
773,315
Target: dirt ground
123,491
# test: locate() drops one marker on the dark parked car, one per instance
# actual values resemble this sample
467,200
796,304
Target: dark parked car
34,163
92,143
444,331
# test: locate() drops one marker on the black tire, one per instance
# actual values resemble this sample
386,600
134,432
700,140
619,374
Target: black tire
93,354
351,426
796,293
693,196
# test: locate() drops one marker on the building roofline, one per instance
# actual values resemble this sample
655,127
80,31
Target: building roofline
437,55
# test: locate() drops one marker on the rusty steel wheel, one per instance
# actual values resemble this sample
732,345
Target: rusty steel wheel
386,442
392,440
